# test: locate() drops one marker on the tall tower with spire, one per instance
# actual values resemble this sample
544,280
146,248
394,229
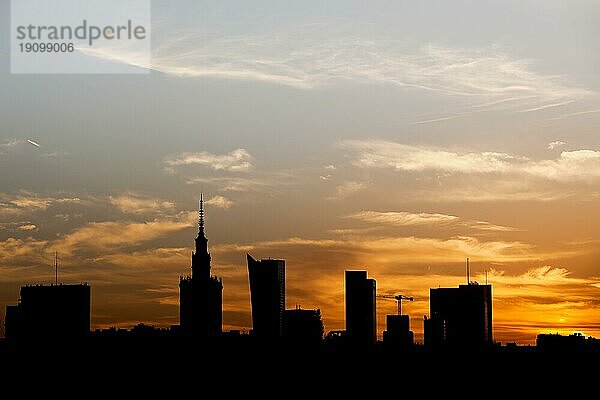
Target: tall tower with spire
201,294
201,257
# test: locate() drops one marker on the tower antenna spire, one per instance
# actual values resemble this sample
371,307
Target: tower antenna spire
201,214
56,268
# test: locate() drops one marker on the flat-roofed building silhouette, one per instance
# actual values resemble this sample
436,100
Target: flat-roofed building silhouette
460,317
50,311
398,333
304,326
361,307
267,296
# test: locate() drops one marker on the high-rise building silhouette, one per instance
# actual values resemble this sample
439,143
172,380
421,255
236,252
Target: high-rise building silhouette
305,326
398,333
361,308
460,317
50,311
267,296
201,294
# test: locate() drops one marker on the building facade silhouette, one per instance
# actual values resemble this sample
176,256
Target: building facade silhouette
460,317
267,296
304,326
398,333
574,343
201,294
50,311
361,307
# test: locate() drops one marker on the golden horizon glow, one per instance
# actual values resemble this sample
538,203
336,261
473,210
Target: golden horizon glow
135,282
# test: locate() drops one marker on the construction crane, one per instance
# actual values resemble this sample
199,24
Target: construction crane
398,298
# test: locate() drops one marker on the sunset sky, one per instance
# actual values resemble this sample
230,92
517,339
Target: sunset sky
395,136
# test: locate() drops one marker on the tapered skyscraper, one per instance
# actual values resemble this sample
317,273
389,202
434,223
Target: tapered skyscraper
201,294
267,295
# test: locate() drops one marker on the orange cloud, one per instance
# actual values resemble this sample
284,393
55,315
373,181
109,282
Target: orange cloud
131,203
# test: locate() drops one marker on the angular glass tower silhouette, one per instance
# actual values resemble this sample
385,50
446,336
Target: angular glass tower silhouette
201,295
361,319
267,295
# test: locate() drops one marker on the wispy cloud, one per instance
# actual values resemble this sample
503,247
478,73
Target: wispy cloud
570,165
24,202
556,144
10,143
384,251
439,119
383,154
132,203
347,189
403,218
575,114
310,55
545,275
27,227
238,160
111,235
18,226
219,202
230,184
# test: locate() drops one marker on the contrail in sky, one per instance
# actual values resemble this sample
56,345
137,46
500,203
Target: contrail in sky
33,143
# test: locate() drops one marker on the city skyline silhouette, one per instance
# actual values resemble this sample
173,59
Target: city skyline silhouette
398,138
459,318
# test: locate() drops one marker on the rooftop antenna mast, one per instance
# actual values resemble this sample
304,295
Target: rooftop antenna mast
56,268
468,273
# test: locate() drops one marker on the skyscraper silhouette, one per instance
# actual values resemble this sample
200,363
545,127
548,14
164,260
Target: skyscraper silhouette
50,311
267,295
201,294
460,317
361,319
303,326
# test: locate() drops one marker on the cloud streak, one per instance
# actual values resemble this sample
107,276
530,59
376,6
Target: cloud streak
131,203
556,144
403,218
238,160
23,202
10,144
346,190
112,235
309,56
576,165
393,251
219,202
